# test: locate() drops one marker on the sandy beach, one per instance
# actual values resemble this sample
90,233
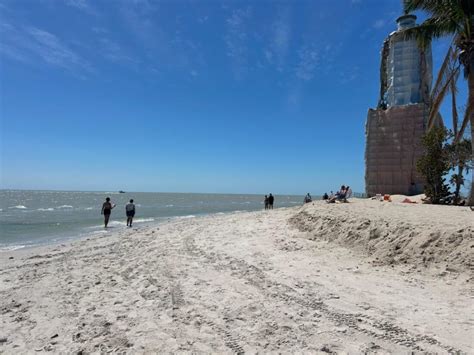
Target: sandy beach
362,277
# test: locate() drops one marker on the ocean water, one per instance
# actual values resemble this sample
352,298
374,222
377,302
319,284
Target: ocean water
29,218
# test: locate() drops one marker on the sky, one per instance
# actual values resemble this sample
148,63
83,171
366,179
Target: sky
189,96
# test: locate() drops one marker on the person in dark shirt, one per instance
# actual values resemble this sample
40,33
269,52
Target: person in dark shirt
325,196
107,207
341,194
271,199
266,202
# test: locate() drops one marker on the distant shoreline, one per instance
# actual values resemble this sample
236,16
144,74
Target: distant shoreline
159,192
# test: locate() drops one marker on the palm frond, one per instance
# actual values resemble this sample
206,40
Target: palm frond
454,108
468,116
436,104
443,71
430,29
467,7
447,74
436,8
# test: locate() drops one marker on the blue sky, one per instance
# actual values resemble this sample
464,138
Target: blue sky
201,96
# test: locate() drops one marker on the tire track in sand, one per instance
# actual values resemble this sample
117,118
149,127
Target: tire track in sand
177,298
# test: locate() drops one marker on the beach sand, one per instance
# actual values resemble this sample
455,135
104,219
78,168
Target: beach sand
367,276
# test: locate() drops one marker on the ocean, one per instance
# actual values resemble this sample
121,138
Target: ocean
29,218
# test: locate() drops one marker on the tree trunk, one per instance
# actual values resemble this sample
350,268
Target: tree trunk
459,180
470,103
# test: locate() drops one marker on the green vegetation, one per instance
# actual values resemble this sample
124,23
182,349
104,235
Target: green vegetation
443,154
433,165
458,155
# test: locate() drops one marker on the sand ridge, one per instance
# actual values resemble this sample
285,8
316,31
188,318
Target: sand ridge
421,236
235,283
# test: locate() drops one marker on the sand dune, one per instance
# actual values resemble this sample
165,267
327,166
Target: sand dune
421,236
289,280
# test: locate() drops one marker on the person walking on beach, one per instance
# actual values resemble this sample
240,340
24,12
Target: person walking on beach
271,199
107,210
266,202
130,212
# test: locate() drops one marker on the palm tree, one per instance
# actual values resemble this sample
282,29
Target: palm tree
459,150
450,18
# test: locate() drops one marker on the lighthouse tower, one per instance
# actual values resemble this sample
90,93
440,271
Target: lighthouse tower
408,68
394,129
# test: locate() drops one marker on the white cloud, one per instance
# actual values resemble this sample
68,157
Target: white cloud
112,51
236,40
30,44
294,97
100,30
163,47
82,5
52,50
203,19
309,60
349,75
268,55
138,17
277,50
13,53
379,23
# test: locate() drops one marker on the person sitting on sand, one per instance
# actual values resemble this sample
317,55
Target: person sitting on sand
325,196
107,210
130,212
266,202
307,198
271,199
340,195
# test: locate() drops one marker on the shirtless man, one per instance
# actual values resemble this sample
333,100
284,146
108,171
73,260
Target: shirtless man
107,210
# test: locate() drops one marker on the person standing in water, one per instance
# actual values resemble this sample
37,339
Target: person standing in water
130,211
107,210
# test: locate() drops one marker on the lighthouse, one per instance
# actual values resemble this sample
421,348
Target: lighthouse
394,129
408,67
